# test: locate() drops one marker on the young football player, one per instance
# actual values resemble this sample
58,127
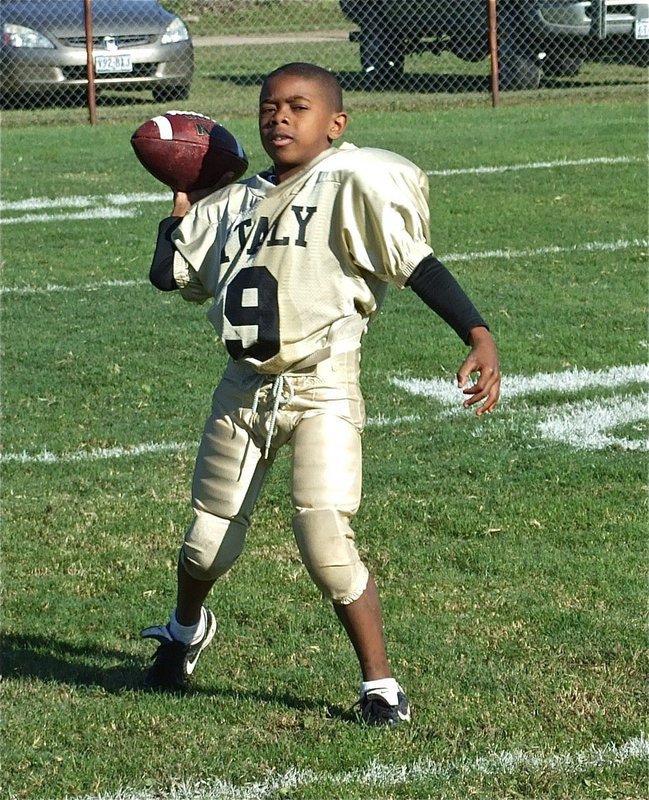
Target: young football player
296,261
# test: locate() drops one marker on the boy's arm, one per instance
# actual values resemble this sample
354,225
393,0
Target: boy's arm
435,285
161,273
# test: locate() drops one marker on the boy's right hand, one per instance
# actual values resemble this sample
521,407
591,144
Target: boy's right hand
183,201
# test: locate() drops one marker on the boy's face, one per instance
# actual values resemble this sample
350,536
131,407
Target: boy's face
297,121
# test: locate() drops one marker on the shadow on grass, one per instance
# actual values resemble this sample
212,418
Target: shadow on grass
50,659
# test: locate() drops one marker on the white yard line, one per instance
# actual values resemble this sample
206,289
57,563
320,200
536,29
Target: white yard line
566,382
82,201
586,247
380,774
588,425
111,206
584,425
76,207
82,287
94,454
46,456
564,162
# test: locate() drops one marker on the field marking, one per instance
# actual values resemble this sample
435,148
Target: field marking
383,775
88,213
46,456
586,426
564,162
583,424
587,247
82,287
81,201
106,206
115,206
574,380
95,454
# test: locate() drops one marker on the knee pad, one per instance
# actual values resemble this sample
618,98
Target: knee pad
212,545
326,543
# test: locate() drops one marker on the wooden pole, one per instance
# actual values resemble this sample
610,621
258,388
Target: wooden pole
492,26
90,67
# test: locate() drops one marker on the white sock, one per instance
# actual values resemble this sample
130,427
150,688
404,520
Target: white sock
385,687
187,634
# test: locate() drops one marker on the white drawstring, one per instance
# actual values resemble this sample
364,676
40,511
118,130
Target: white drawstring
279,384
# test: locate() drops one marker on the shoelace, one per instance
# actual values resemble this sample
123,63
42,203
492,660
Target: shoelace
280,383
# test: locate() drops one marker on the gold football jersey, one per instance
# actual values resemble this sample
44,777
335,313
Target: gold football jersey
296,270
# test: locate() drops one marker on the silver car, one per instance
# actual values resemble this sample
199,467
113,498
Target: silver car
136,44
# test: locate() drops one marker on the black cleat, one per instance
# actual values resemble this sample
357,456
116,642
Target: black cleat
375,709
174,661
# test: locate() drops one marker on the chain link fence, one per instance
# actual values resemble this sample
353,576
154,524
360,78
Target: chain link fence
87,52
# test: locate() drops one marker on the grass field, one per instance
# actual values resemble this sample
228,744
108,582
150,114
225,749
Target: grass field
510,552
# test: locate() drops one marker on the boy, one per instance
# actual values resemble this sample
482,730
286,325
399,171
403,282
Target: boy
297,260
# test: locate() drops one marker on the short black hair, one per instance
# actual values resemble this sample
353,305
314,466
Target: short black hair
303,69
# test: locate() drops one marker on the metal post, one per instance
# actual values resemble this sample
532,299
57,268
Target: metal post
90,67
492,26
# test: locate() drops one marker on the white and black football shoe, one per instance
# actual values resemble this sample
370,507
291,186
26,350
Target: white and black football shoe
174,661
376,710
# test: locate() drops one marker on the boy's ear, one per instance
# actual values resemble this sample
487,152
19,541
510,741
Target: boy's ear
338,125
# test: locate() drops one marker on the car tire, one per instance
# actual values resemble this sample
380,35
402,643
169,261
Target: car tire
561,66
165,94
519,71
381,58
519,65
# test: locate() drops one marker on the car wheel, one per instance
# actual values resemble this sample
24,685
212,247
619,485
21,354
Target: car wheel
164,94
519,65
381,58
561,66
519,71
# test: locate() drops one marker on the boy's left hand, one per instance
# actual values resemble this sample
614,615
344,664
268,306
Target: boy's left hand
482,359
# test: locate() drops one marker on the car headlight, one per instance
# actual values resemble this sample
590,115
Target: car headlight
20,36
176,31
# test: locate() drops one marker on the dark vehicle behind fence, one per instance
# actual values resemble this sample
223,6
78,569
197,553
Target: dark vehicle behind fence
535,36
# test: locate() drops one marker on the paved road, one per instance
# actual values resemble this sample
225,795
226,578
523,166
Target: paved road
270,38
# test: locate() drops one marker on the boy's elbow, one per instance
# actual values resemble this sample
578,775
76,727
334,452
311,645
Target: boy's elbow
161,276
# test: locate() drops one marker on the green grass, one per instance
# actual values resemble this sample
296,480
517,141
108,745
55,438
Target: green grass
512,569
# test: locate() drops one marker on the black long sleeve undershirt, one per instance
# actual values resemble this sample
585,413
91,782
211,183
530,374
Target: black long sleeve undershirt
435,285
161,273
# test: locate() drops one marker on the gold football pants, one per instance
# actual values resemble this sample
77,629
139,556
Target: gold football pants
319,412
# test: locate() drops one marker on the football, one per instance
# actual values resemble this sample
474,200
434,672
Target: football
188,151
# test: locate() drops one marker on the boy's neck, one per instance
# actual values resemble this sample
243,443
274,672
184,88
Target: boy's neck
279,177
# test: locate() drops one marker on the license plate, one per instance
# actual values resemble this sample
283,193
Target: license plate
642,29
115,63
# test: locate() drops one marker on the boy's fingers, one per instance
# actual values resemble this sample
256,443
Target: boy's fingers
486,389
464,372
